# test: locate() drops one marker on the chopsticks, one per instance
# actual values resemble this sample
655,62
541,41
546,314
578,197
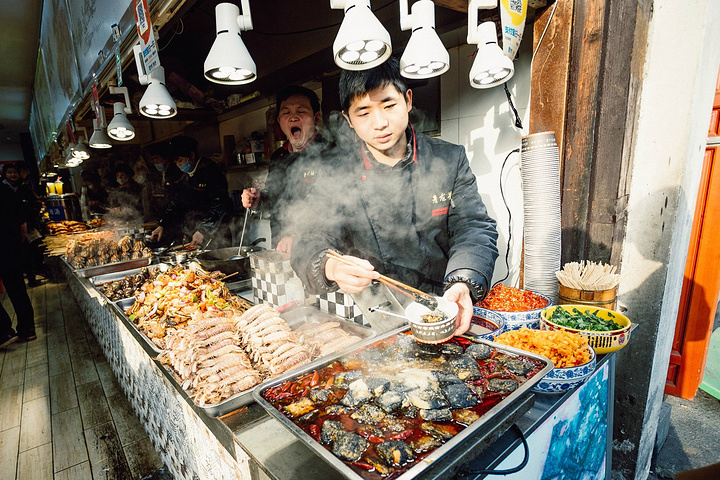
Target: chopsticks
417,295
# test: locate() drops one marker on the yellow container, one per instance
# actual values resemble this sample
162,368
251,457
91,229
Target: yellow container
595,298
602,342
59,187
51,188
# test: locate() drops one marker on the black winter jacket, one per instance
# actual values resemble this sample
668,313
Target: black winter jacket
422,221
200,201
290,180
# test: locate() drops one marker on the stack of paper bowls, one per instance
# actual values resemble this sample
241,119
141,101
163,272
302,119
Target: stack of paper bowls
540,163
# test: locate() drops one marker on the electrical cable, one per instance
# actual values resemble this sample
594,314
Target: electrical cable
518,122
522,464
552,14
502,194
174,32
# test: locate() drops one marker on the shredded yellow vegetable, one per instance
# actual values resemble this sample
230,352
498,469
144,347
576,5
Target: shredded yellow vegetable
565,349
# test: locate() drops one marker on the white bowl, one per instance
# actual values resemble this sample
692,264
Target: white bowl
432,332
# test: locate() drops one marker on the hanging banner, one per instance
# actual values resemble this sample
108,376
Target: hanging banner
96,105
116,50
147,37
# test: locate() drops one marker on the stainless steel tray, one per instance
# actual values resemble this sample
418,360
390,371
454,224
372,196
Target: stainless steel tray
123,305
98,280
487,420
110,267
294,317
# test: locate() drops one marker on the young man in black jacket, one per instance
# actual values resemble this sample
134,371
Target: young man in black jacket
398,203
293,166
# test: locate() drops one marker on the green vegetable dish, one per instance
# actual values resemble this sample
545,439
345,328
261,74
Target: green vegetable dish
586,320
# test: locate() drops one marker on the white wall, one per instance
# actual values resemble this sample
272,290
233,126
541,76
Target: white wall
481,121
679,72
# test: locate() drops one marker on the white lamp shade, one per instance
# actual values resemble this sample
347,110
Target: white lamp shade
491,67
157,102
362,42
120,128
99,138
229,61
425,55
81,151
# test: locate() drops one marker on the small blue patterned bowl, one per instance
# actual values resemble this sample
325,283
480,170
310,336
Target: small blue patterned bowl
560,380
516,320
485,324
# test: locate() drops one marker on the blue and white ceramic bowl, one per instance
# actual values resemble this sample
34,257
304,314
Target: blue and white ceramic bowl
485,324
516,320
560,380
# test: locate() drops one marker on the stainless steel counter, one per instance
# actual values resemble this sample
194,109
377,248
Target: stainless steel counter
247,443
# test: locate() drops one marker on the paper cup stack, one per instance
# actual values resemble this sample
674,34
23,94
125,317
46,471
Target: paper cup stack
540,165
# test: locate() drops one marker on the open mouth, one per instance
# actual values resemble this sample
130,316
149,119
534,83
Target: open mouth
295,132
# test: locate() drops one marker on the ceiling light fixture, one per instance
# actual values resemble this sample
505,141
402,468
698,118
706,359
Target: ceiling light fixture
81,151
99,138
362,42
491,67
156,102
229,61
425,55
120,127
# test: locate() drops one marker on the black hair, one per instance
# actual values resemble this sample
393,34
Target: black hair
7,166
291,90
182,146
160,148
358,83
121,167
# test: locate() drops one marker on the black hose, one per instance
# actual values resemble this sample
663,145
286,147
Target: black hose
509,470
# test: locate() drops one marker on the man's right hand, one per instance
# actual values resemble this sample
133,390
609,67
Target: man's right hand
250,198
351,278
156,234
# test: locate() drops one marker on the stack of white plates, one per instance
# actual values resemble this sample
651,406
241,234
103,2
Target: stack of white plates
540,165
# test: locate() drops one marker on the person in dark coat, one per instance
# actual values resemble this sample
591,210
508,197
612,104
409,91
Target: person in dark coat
399,203
11,268
201,204
293,166
30,212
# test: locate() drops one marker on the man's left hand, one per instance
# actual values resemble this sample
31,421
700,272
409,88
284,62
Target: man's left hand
197,238
460,294
284,245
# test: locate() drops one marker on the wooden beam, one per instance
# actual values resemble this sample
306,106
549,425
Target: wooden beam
457,5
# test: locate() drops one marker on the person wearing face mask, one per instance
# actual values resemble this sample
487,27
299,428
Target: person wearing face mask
162,179
97,196
293,166
200,206
126,198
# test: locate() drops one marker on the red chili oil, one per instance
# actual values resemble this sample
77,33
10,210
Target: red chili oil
291,391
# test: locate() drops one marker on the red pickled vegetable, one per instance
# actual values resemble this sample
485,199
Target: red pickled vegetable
509,299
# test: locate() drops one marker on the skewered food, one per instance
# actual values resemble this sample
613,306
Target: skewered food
99,251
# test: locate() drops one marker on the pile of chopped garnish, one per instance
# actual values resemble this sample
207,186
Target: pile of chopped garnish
509,299
587,320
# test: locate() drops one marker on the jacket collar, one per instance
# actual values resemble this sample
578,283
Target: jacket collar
411,133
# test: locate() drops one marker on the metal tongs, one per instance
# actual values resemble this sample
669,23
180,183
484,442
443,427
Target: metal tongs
420,297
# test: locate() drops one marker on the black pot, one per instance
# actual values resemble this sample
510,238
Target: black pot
220,259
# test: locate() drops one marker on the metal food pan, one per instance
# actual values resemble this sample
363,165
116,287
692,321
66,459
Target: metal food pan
486,423
294,317
111,267
123,305
111,277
